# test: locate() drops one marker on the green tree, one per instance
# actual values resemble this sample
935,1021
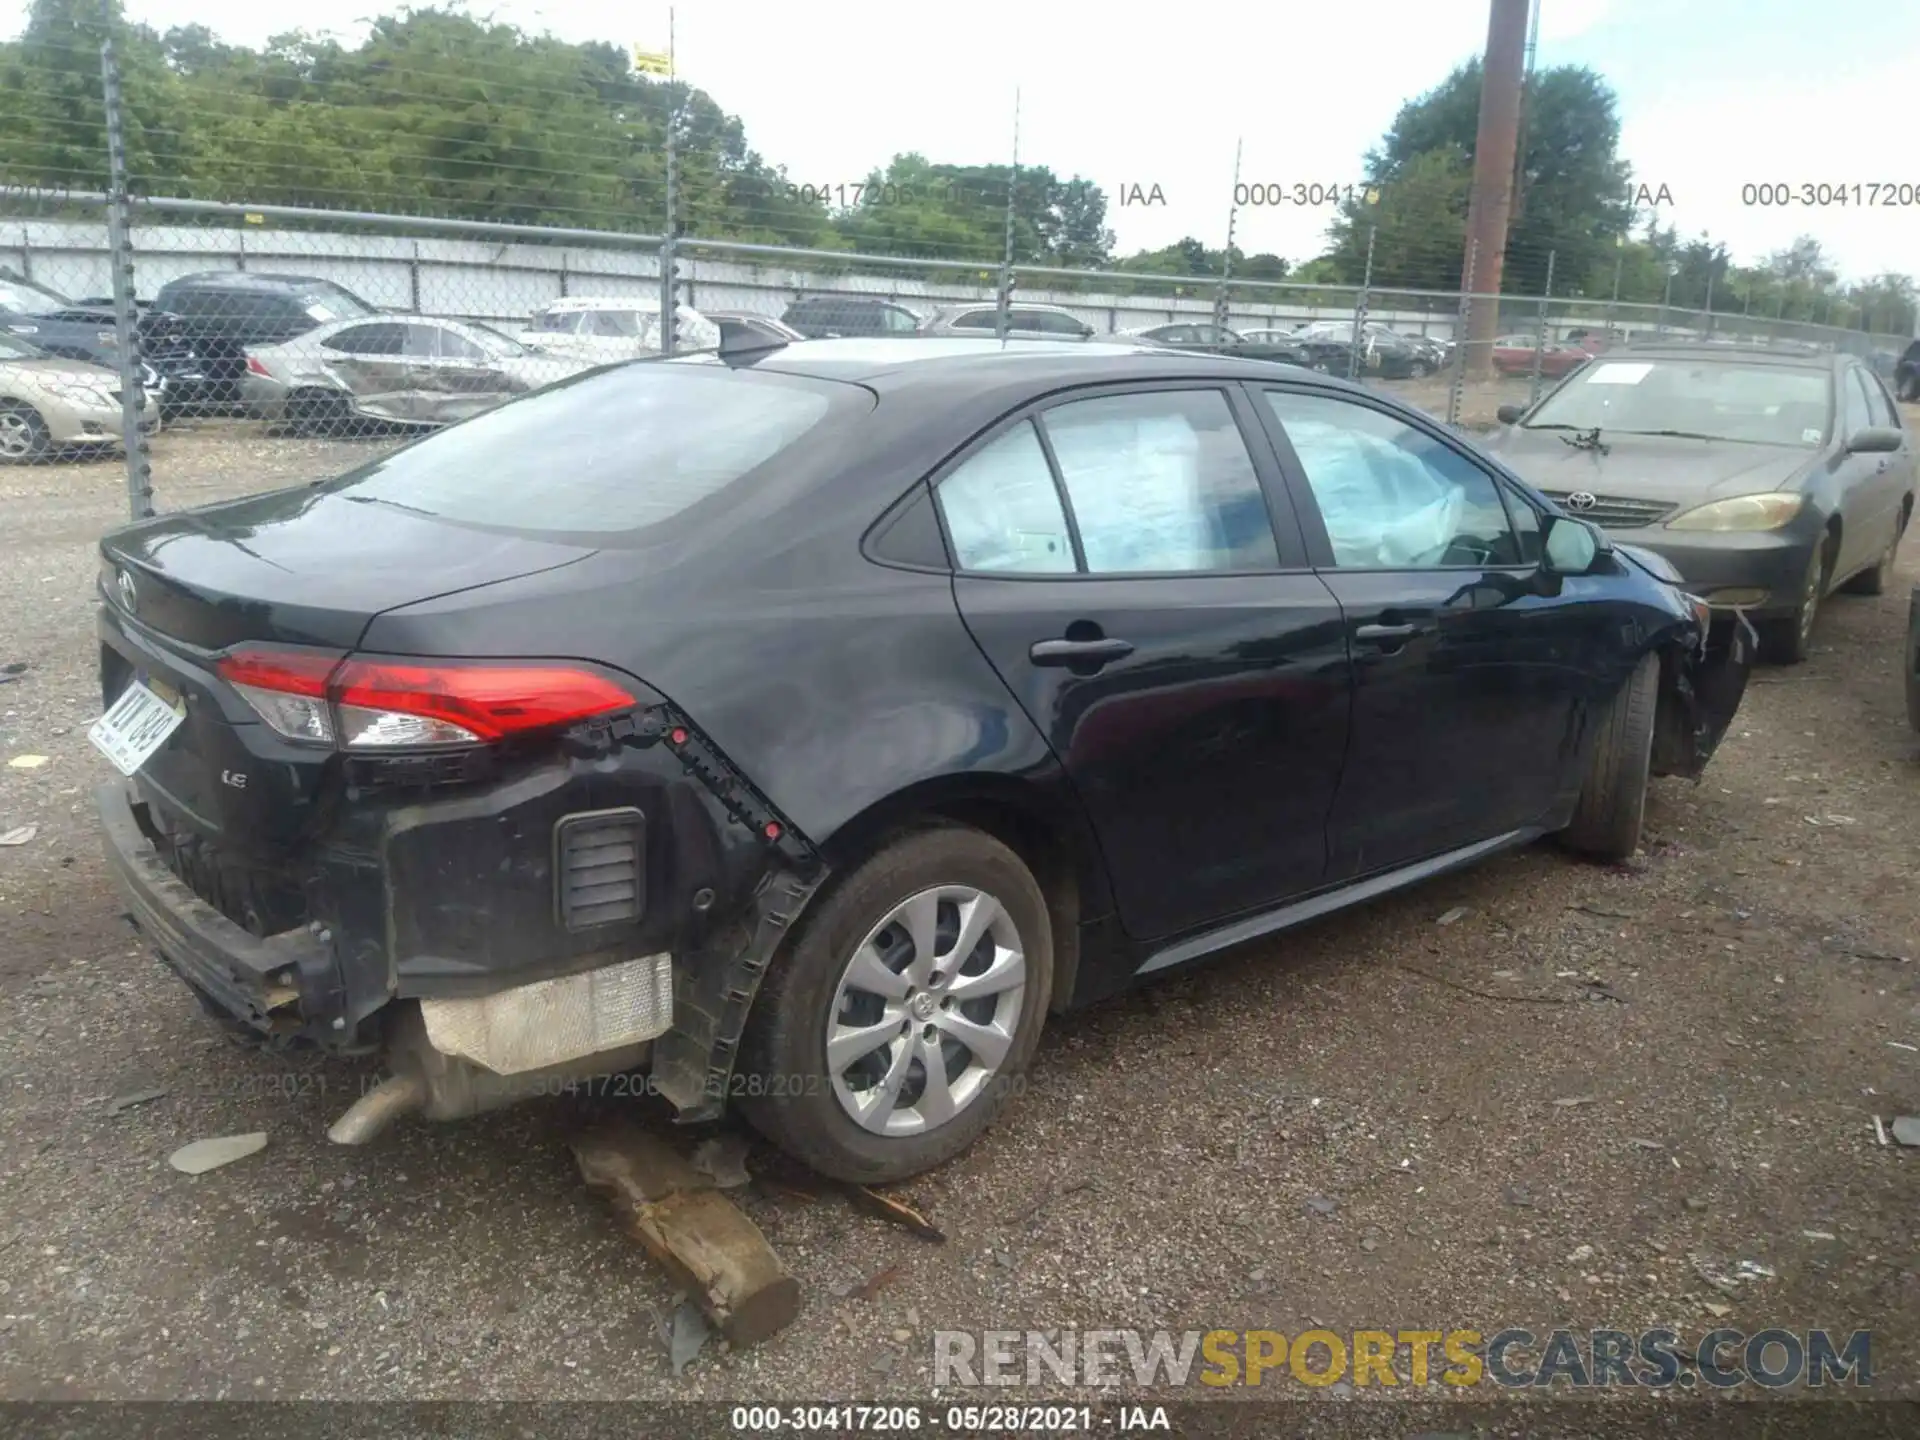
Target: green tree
1571,198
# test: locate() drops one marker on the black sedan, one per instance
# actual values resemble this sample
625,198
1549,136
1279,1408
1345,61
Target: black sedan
1329,347
808,724
1769,480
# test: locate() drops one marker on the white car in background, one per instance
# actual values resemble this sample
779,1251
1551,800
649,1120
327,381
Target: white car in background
394,369
604,329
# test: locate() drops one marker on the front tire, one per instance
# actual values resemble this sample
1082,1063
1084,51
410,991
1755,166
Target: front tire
1606,821
24,436
1789,641
902,1016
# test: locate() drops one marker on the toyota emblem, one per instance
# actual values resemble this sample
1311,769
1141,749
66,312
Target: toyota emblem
1582,500
129,592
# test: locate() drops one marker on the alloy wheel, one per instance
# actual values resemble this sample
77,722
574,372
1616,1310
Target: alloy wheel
926,1010
16,435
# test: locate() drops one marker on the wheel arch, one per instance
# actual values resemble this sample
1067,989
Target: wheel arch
1034,819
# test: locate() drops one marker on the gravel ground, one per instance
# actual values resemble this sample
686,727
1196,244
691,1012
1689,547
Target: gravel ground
1728,1011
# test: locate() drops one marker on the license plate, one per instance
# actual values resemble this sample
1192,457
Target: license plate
137,725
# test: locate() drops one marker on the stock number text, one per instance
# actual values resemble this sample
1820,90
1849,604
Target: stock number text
1274,193
1871,193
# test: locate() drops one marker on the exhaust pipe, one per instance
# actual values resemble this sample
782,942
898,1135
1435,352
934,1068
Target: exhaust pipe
429,1083
374,1111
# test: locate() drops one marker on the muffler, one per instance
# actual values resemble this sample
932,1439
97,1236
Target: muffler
425,1082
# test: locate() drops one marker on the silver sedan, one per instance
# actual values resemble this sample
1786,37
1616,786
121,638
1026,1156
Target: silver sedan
394,370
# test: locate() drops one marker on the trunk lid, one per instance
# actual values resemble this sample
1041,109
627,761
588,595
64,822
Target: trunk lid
180,589
330,563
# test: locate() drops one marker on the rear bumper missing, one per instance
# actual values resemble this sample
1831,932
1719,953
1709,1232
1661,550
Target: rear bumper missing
281,986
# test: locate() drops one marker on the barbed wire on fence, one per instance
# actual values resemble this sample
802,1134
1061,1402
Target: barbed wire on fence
358,244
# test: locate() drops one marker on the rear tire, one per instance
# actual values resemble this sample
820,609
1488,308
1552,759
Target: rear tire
790,1092
1790,641
1606,821
318,412
24,436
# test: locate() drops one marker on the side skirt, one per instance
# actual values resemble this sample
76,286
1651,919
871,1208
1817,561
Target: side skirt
1299,912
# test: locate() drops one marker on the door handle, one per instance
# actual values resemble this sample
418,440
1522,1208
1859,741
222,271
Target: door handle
1078,652
1387,637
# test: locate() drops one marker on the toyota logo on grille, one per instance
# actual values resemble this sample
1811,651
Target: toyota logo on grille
129,592
1582,500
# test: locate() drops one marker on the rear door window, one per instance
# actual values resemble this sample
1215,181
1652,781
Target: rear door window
367,340
1161,482
614,451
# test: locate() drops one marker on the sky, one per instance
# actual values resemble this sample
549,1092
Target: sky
1714,95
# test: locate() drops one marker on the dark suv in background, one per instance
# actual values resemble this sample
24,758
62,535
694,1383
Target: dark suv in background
1906,374
830,317
219,313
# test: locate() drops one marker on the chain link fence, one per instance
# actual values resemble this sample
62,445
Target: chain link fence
352,248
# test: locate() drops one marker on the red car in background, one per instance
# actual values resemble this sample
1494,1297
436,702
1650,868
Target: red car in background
1513,355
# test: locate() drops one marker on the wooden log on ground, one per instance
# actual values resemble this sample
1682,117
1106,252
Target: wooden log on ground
703,1238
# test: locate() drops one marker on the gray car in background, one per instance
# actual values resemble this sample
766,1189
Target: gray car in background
394,370
1768,480
1024,322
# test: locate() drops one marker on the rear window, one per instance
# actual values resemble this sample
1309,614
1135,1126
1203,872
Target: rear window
612,452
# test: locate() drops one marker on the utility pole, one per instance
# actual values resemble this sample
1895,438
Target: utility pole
1494,149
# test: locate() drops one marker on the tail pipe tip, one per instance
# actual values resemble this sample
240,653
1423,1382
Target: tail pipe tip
373,1112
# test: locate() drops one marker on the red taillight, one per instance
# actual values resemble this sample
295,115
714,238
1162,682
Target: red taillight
490,702
255,366
395,703
290,672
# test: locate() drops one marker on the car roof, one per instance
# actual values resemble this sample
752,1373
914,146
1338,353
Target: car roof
1742,354
806,300
247,280
602,302
960,308
965,366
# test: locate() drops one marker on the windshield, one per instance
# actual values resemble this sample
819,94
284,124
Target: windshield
613,451
23,297
12,347
1762,404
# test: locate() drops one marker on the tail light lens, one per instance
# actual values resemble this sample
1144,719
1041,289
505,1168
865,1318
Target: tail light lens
362,703
257,366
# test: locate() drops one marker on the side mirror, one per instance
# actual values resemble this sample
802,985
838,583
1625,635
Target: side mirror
1875,440
1572,545
1509,414
1086,332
